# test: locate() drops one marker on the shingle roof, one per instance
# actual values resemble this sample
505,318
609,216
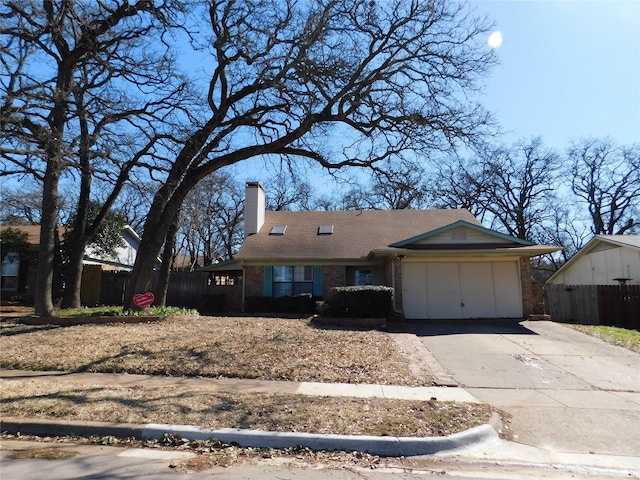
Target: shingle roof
355,233
33,232
628,240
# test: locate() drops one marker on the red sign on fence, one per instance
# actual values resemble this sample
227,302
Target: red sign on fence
143,300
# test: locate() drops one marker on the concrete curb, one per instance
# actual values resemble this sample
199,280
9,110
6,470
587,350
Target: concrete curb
383,446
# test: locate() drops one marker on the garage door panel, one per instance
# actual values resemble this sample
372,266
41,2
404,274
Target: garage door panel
414,290
477,291
506,281
443,291
449,290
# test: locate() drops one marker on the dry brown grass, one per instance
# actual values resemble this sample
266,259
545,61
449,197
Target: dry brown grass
257,348
258,411
238,347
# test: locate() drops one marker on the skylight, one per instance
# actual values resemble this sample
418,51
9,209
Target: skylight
278,230
325,230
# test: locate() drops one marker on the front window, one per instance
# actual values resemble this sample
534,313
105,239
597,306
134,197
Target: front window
364,277
221,280
10,268
289,280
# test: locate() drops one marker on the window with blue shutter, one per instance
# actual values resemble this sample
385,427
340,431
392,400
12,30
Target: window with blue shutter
287,280
268,281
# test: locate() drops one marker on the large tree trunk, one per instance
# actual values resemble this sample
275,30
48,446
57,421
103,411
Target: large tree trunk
43,301
165,268
79,235
73,273
150,246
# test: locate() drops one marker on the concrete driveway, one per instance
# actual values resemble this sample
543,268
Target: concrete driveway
567,392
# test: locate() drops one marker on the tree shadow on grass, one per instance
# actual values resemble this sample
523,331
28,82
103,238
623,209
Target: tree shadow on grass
9,329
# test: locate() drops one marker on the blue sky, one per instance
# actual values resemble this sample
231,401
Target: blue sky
568,69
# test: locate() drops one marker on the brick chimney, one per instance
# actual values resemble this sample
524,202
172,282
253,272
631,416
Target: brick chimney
254,206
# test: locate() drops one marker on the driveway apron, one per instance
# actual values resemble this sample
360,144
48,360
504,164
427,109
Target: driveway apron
566,391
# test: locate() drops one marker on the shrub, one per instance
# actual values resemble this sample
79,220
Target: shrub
304,303
361,301
213,303
257,304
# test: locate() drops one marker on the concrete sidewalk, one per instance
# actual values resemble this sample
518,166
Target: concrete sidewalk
444,394
388,446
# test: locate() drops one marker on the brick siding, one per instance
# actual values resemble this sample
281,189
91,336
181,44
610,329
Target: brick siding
332,276
253,281
396,264
528,299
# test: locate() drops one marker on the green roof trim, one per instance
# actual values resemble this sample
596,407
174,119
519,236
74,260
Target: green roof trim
461,223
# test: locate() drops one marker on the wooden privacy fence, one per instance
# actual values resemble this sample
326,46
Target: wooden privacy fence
619,306
199,290
614,305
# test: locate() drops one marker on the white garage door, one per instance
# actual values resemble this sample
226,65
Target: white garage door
447,290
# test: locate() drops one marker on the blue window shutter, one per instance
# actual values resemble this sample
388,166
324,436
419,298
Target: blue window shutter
268,281
317,281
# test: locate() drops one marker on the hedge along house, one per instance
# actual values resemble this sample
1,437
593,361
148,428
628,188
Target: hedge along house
442,264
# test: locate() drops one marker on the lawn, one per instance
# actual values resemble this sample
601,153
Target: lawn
241,347
629,339
235,347
256,411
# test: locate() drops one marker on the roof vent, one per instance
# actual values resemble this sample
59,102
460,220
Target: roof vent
278,230
325,230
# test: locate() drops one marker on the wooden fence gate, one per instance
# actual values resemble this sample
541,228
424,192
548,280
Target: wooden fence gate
614,305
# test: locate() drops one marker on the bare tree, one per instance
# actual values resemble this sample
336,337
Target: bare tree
511,187
521,187
21,206
393,184
462,184
210,225
287,192
376,78
134,200
399,184
83,86
605,178
23,203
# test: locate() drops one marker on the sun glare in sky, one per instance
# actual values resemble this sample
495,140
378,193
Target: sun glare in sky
495,39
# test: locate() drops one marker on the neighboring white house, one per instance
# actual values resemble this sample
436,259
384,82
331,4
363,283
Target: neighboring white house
18,276
605,260
124,257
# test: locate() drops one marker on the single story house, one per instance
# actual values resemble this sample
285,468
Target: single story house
604,260
442,264
18,276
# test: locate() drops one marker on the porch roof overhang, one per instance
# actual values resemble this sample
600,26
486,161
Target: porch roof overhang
229,265
107,263
307,261
492,251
